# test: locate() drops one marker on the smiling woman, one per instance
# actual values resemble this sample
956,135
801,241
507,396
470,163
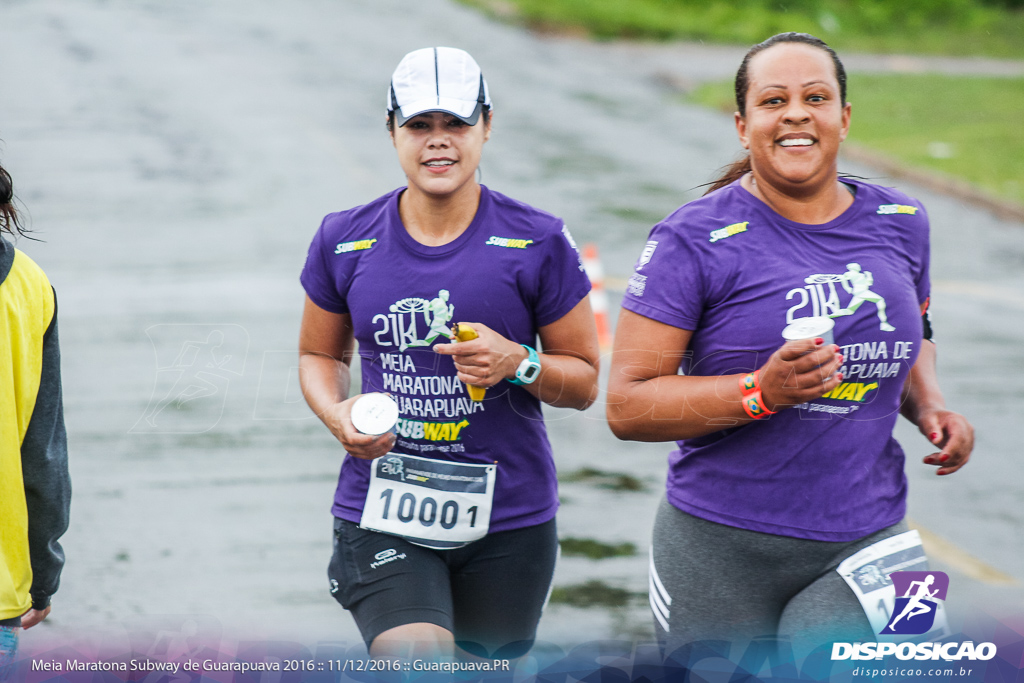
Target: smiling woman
434,517
793,124
785,466
439,153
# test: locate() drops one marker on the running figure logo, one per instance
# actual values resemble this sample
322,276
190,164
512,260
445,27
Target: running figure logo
914,612
855,281
436,314
858,283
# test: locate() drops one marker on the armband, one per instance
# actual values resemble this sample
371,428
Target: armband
926,321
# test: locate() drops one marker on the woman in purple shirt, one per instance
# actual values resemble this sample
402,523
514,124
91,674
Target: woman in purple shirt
444,530
786,466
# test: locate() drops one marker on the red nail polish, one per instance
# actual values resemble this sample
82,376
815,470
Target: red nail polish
818,341
943,458
839,376
933,436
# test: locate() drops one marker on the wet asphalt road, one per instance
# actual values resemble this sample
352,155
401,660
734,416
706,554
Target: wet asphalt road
177,158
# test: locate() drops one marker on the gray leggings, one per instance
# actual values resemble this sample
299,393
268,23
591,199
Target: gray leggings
715,582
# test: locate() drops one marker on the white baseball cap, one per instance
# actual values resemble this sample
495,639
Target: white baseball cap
442,79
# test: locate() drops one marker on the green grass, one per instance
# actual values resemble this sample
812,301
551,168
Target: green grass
593,594
613,481
595,550
953,27
963,127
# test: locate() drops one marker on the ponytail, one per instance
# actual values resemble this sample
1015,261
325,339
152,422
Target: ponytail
731,174
9,221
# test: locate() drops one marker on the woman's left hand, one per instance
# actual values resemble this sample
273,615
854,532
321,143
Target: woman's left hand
952,433
486,360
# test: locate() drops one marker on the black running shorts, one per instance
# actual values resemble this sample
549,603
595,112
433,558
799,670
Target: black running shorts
489,594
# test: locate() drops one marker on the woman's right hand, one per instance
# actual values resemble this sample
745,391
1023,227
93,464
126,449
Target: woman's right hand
800,371
338,419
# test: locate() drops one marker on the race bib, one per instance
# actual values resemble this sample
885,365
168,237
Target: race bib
867,573
429,502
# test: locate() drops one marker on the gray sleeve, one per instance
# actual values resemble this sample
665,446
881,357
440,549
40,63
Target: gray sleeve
44,464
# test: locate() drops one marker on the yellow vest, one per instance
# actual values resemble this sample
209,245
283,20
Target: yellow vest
26,310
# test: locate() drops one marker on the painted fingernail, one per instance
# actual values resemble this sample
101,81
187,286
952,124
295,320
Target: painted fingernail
933,436
818,341
839,376
943,458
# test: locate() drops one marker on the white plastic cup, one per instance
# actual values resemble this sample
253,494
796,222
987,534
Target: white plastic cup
375,414
810,328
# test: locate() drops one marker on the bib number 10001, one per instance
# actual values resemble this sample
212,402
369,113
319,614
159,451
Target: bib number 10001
430,502
405,511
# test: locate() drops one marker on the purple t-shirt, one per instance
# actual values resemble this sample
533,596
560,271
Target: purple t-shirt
514,269
734,272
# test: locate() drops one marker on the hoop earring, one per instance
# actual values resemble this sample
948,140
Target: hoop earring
479,175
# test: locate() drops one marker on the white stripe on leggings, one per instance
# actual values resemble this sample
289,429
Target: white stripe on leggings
659,597
657,582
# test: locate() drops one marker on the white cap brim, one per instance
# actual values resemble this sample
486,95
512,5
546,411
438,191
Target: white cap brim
468,112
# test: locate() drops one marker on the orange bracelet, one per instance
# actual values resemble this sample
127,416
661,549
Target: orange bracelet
750,383
754,406
753,403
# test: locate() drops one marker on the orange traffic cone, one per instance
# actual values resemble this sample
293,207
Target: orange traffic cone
598,295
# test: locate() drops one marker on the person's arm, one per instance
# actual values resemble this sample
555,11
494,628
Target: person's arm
649,401
326,346
925,407
568,363
44,464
